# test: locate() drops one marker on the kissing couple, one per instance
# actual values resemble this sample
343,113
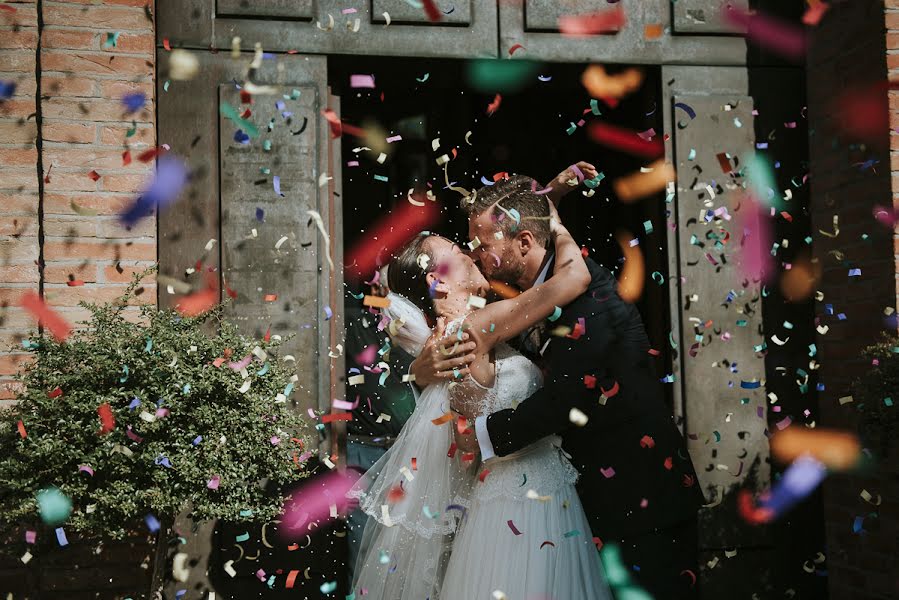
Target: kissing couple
540,432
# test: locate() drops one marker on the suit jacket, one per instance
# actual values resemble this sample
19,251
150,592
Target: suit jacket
636,474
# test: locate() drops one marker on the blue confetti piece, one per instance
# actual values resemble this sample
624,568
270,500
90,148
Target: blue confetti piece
135,402
328,313
260,215
246,513
152,523
61,537
328,587
112,39
750,385
857,525
263,370
133,102
828,309
242,537
276,182
180,594
170,179
7,89
197,440
855,272
163,460
557,312
186,389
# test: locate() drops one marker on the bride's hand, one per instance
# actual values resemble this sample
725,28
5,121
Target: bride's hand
433,366
562,184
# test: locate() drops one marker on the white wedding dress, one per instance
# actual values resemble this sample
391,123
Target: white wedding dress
525,535
437,532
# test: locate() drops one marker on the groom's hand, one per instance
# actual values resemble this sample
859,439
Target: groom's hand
561,185
442,359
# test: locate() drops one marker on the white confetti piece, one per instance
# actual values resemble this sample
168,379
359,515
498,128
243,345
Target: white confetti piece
476,301
357,379
179,571
577,417
317,218
382,417
149,418
245,387
229,569
280,242
26,557
386,19
407,473
408,378
210,244
385,516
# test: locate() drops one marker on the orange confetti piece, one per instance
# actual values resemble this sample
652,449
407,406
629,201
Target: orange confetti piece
483,475
94,175
639,185
503,289
376,301
270,297
630,283
198,303
445,418
652,31
47,317
21,427
75,283
600,84
292,576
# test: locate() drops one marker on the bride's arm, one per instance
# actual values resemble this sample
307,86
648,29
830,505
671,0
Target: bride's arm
506,319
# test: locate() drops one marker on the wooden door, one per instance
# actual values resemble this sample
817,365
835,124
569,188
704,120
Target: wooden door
462,29
249,213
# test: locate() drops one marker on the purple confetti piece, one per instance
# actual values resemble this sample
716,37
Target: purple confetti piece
61,537
798,481
276,181
395,138
260,215
135,402
545,78
133,436
163,460
86,469
362,81
240,137
328,313
197,440
133,102
242,363
31,536
280,105
577,172
166,186
152,523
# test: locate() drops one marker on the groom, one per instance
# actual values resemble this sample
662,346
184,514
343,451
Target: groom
637,484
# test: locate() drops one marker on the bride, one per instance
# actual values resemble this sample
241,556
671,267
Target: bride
442,526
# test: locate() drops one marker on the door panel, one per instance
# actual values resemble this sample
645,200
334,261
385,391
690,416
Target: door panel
535,25
702,16
716,313
286,285
284,9
469,30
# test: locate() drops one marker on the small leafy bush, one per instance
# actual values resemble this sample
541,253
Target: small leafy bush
876,394
185,433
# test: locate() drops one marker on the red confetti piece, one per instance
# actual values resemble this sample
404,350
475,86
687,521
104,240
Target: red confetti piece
395,494
811,17
688,481
246,97
625,140
56,393
774,34
598,543
7,8
337,417
126,158
604,21
462,426
270,297
93,175
292,576
452,450
483,475
611,392
669,463
751,513
149,155
514,48
414,464
268,334
75,283
167,44
218,362
431,10
580,328
512,527
654,352
692,576
107,419
607,473
338,127
547,543
21,427
46,316
389,234
589,382
647,442
468,456
494,106
197,303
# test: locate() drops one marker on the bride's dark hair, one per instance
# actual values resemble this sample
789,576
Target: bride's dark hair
406,277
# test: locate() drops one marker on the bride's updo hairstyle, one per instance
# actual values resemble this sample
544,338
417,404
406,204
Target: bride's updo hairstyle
406,277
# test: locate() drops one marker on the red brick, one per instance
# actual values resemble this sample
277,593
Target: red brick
25,15
18,157
99,250
139,3
112,228
19,226
71,296
61,204
26,85
892,20
892,41
67,85
143,43
69,133
69,181
13,132
17,107
87,110
131,183
111,273
56,273
70,228
100,63
19,273
24,39
19,178
118,89
17,61
97,17
11,363
69,39
83,158
9,389
18,251
115,135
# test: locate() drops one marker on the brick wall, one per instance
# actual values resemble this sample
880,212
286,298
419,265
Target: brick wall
77,125
850,51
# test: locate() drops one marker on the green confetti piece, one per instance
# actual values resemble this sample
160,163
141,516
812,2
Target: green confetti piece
647,226
131,131
149,345
267,145
55,507
571,129
594,183
112,39
424,78
246,513
572,533
692,155
165,86
594,106
490,76
888,401
381,178
229,113
557,312
328,587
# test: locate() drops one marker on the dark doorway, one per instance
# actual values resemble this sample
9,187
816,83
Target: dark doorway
538,130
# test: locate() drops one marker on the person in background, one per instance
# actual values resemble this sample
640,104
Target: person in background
382,409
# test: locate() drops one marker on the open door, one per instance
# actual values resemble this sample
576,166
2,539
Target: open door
251,217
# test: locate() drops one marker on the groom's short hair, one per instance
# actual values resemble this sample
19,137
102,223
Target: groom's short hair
517,192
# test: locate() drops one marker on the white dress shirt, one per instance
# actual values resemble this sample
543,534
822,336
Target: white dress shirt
480,423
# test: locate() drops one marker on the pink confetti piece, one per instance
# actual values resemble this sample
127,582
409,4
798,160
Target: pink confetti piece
362,81
344,405
608,473
312,501
395,138
774,34
213,483
348,11
30,536
352,163
367,356
242,364
86,469
133,436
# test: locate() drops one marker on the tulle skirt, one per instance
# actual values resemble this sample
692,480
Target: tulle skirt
552,557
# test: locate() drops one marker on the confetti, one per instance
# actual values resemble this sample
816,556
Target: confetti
46,316
776,35
604,21
164,189
54,506
512,527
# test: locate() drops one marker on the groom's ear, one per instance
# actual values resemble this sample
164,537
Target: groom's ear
435,283
526,241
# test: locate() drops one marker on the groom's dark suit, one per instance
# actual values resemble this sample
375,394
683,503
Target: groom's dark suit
637,479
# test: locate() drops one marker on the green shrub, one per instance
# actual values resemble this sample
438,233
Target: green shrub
876,395
164,362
